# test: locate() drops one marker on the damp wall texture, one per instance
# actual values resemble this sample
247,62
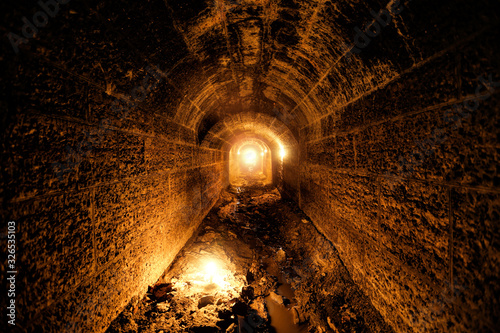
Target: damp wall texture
90,240
403,177
104,185
110,127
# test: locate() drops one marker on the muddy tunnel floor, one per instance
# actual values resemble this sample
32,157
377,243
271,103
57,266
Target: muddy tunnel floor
256,264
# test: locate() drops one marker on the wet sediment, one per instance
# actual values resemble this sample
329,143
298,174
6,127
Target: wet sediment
256,264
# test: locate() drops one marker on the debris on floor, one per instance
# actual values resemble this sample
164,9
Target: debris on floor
255,265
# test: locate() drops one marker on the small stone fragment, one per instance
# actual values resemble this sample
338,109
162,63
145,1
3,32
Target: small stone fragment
280,255
240,308
247,292
275,297
260,308
295,315
205,300
161,292
163,307
250,277
332,325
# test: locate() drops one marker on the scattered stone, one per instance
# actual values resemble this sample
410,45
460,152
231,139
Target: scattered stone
160,292
295,315
332,325
247,292
240,308
163,307
275,297
226,318
205,300
280,255
255,263
260,308
250,277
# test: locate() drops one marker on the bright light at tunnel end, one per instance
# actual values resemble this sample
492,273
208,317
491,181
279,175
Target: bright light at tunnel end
250,156
211,270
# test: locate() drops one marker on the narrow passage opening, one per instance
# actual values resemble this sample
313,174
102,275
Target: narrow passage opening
250,163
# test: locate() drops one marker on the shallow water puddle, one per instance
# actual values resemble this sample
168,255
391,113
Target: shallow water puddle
286,290
281,315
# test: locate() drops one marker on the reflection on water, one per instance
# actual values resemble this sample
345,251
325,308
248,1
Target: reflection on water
282,318
281,315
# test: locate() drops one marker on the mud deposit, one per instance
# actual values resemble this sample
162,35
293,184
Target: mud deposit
256,264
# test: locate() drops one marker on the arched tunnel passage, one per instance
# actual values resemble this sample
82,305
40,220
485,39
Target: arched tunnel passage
275,140
250,162
381,205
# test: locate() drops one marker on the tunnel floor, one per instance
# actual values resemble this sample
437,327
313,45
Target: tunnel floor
256,264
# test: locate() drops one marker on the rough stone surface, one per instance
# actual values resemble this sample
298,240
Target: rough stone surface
397,199
268,262
117,118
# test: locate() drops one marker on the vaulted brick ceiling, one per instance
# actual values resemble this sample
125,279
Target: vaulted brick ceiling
284,58
274,57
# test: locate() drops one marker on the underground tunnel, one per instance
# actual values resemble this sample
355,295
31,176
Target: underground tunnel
250,166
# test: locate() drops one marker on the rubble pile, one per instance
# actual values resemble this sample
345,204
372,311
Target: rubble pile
256,264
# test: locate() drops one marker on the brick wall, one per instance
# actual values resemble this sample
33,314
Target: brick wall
406,187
